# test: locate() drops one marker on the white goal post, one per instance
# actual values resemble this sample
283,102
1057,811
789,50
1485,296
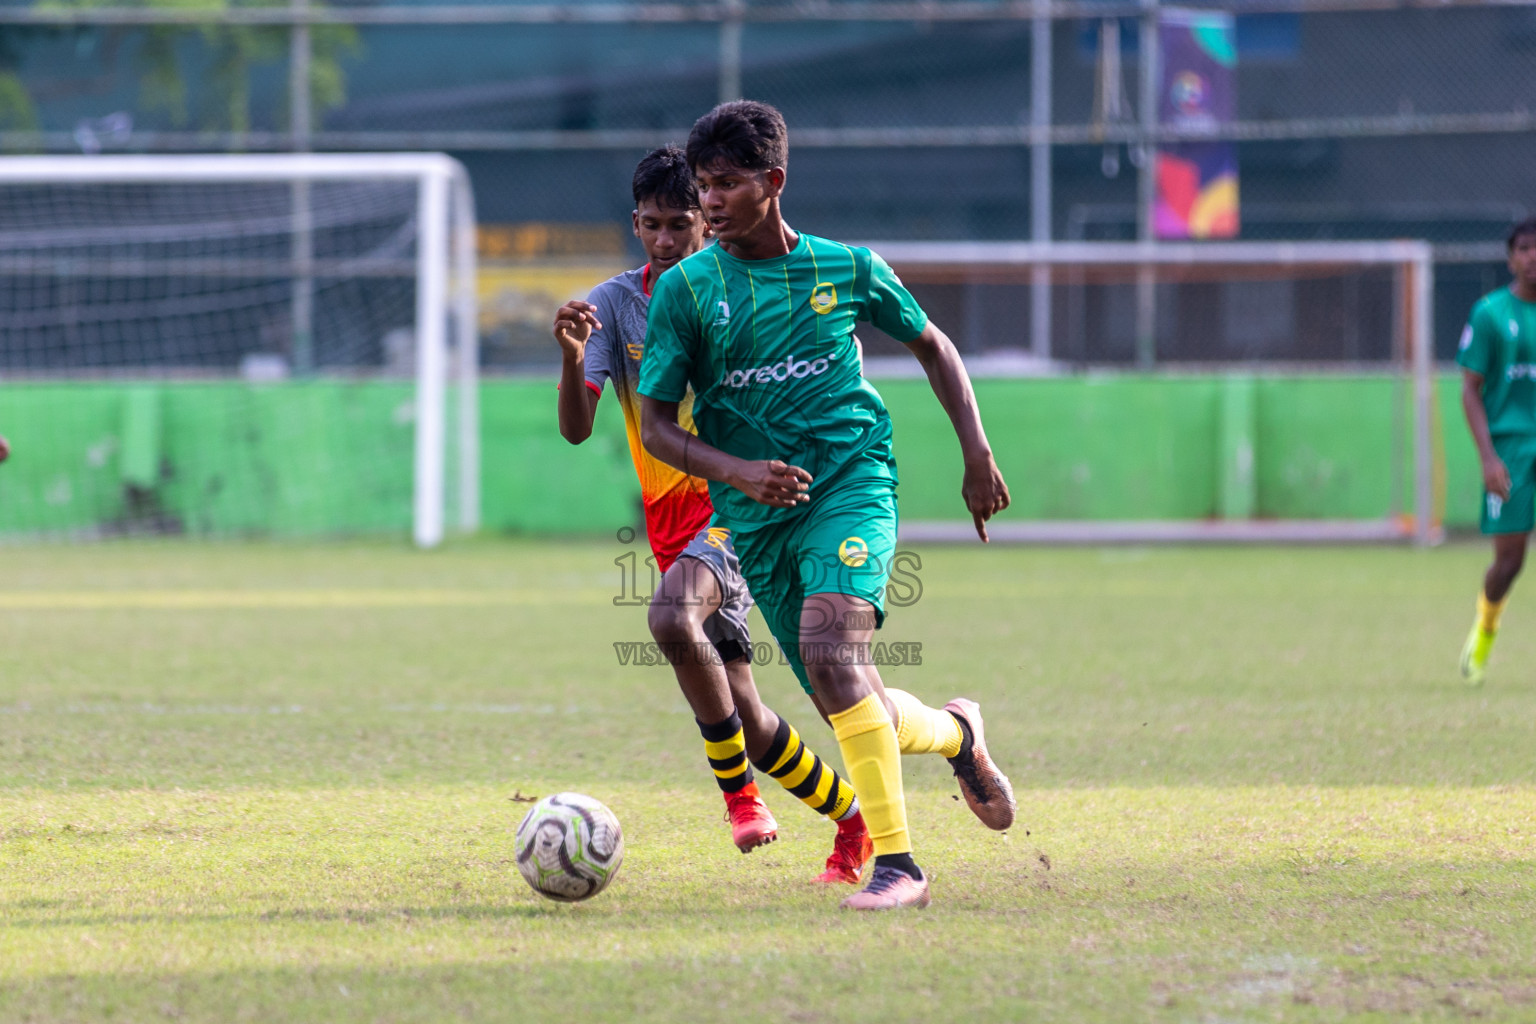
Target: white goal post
441,241
1035,269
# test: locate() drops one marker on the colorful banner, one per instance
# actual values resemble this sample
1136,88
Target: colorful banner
1197,181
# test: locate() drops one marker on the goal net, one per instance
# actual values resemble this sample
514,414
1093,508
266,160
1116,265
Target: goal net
1185,392
237,345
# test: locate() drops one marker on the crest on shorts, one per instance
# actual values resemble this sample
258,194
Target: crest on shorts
824,298
853,552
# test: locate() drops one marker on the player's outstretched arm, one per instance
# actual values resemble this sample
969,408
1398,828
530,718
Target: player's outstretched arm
768,481
982,487
574,323
1495,473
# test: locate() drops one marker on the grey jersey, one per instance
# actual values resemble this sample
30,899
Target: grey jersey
676,506
614,351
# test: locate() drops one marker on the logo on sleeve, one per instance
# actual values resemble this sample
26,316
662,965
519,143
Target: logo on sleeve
1466,338
853,552
824,298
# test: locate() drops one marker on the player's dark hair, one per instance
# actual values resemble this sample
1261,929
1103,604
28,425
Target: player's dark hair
742,133
663,175
1519,231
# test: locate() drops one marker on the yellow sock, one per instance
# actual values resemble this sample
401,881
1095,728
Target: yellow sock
1488,613
873,762
921,729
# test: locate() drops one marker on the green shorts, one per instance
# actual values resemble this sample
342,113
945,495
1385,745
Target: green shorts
1517,513
842,544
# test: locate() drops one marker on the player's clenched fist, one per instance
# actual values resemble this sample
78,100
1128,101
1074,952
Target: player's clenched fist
773,482
574,323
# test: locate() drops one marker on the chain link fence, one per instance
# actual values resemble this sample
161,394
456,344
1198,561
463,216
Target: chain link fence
910,121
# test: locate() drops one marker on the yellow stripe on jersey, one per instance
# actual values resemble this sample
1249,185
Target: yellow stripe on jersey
684,271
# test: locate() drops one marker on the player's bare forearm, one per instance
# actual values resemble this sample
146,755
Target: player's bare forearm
982,489
665,439
1495,474
574,323
1476,412
770,482
947,376
577,402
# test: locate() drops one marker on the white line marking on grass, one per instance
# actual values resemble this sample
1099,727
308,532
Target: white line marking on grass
149,709
1272,976
188,600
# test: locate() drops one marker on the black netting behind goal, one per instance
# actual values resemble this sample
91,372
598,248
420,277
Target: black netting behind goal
195,279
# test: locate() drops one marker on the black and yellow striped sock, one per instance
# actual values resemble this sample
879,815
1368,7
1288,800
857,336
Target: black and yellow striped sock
726,748
807,776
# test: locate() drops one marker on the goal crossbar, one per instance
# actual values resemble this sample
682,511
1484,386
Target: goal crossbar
1042,262
1161,254
268,167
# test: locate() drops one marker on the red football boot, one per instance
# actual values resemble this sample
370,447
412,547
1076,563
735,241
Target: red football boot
751,824
850,850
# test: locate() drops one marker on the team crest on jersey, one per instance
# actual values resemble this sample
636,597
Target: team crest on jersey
853,552
824,298
1514,329
722,314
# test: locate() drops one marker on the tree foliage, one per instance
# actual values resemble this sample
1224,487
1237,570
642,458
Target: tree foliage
200,75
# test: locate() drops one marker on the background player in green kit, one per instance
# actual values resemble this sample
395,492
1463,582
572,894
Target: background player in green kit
797,446
1498,393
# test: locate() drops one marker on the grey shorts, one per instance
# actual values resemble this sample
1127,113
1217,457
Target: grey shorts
727,627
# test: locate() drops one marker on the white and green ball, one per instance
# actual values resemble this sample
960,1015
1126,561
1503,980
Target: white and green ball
569,847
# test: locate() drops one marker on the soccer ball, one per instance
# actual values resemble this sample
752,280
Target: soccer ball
569,847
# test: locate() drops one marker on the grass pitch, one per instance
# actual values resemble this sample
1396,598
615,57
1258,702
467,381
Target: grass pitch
252,782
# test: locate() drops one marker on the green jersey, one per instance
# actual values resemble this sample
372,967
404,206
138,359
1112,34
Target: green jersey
1499,343
768,347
